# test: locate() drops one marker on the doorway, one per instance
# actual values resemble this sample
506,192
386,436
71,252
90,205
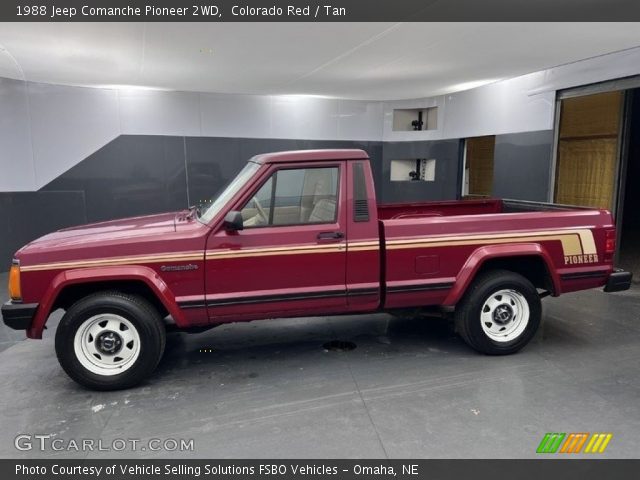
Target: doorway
587,155
478,166
629,225
598,160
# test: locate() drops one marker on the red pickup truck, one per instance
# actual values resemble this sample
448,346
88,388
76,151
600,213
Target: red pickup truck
300,234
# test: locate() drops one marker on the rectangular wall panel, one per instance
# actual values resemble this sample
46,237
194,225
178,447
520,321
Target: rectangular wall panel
522,165
132,175
447,171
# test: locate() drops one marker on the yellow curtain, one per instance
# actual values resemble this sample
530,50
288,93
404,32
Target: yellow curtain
586,172
480,152
588,150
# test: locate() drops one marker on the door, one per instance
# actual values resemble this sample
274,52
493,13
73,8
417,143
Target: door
290,258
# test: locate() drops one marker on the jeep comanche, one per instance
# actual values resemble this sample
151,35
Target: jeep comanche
301,234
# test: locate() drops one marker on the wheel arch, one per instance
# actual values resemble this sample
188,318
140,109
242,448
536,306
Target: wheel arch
531,261
71,285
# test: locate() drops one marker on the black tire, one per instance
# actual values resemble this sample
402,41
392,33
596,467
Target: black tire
138,312
468,312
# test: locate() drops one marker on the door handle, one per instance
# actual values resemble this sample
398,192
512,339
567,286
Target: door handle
330,235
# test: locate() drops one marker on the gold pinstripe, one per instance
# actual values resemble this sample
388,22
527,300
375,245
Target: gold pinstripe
261,252
574,242
128,260
363,246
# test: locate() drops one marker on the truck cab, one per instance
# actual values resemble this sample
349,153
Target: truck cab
302,239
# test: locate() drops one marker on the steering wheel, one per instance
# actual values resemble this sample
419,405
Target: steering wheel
261,211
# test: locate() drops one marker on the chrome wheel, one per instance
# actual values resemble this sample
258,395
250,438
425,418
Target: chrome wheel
505,315
107,344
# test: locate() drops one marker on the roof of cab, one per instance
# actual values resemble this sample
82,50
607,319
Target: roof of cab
311,155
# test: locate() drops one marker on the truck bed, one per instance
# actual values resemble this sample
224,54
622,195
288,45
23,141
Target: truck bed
464,207
430,247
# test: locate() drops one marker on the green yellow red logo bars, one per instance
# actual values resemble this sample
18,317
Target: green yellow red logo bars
574,443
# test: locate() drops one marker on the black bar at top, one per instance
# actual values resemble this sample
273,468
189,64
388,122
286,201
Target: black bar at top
319,10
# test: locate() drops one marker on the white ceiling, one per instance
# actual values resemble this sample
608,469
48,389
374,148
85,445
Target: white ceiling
375,61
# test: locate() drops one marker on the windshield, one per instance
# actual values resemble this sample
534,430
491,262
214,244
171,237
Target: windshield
210,211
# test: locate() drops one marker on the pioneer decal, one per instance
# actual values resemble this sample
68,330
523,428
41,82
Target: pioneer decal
579,259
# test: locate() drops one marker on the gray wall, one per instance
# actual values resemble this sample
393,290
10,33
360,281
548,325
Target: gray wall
521,104
47,129
522,165
73,155
144,174
138,175
131,175
448,156
29,215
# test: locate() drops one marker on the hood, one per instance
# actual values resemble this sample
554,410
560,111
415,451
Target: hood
106,232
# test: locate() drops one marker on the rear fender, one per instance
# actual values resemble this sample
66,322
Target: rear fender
482,254
100,274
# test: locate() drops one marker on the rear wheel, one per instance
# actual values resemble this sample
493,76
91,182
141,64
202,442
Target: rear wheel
499,314
110,340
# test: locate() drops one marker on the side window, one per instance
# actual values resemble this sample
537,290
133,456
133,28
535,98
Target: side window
293,197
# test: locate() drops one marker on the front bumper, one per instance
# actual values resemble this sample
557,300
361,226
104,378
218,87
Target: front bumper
618,281
18,315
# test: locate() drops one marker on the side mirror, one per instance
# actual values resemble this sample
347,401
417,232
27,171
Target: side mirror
233,221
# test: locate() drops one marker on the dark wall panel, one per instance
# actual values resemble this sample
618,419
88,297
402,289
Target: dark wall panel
144,174
522,165
375,150
211,163
131,175
447,154
29,215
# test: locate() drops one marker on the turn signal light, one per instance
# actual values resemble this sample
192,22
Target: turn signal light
14,282
610,242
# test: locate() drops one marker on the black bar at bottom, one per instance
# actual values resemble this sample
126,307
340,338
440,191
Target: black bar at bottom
551,466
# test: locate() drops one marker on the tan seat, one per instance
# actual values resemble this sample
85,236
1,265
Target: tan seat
324,211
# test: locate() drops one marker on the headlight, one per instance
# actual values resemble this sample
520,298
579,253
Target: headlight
14,281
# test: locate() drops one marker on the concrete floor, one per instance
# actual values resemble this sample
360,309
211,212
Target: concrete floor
411,389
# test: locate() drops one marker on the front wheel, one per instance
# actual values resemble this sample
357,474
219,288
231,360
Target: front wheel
499,314
110,340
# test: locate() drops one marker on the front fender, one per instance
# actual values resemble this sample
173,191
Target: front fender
102,274
482,254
